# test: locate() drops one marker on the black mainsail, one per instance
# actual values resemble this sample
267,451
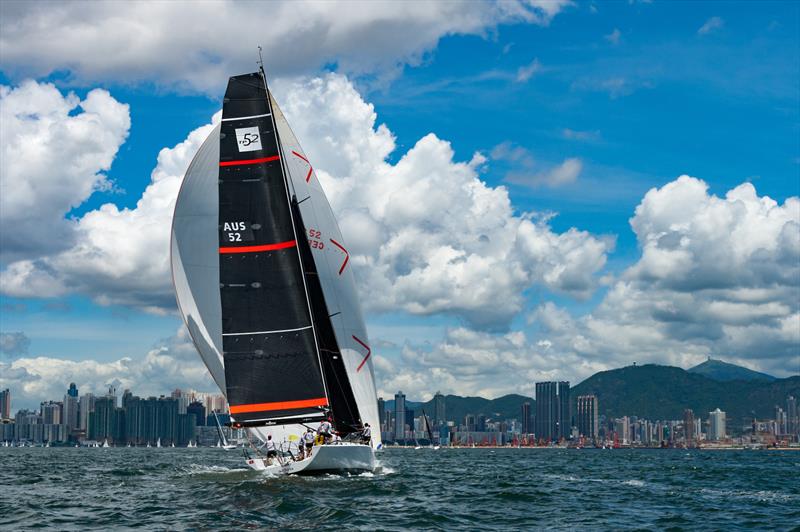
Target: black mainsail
272,364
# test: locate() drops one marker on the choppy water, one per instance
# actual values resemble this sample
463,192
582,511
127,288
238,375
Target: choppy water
71,489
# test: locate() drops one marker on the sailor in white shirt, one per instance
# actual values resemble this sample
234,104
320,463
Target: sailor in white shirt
366,434
272,451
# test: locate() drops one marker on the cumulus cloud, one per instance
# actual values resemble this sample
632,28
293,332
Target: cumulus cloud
54,153
14,344
139,41
718,276
426,234
711,25
117,256
172,363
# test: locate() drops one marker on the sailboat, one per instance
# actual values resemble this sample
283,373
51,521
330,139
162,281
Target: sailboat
225,445
430,432
264,285
105,443
158,442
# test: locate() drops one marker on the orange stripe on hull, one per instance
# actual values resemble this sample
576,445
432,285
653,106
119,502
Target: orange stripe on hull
279,405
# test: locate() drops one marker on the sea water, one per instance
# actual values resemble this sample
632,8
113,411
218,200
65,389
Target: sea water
470,489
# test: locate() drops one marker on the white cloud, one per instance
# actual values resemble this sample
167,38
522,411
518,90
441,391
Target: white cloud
524,73
586,136
172,363
711,25
14,344
428,235
524,170
613,37
717,276
141,41
54,153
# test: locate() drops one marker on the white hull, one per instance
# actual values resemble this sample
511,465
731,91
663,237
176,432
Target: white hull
336,458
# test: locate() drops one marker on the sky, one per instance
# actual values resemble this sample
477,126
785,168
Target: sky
533,190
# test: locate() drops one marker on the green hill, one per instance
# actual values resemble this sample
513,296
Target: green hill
663,392
723,371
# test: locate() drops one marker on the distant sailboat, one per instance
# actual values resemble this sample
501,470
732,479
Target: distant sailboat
225,445
263,283
430,432
158,442
105,443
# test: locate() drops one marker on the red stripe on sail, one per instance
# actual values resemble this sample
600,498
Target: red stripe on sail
369,352
265,247
346,255
279,405
250,161
310,168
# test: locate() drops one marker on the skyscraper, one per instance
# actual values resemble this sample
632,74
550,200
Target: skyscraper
51,413
552,410
382,413
688,426
588,416
70,418
439,411
526,418
199,411
792,421
73,390
5,404
399,416
85,407
716,429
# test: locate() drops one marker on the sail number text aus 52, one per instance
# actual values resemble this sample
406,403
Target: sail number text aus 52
314,237
237,232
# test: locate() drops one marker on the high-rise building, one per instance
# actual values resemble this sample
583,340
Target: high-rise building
51,413
480,423
792,421
382,413
399,416
199,410
5,404
469,422
588,416
716,428
70,418
85,407
688,426
552,411
439,410
73,390
526,418
622,428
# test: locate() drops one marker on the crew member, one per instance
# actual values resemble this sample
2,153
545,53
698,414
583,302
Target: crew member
272,452
366,434
325,429
308,438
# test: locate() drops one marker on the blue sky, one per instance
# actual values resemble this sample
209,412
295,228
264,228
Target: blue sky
634,94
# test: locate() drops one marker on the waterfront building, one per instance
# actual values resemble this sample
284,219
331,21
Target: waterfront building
382,413
480,423
51,413
469,422
716,428
70,411
588,416
526,418
622,428
688,427
85,407
439,410
5,404
792,421
399,416
197,409
552,421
